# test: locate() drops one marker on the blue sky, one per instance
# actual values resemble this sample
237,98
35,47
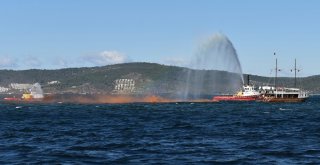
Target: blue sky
76,33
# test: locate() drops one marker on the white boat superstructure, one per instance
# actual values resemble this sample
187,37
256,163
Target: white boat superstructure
250,90
282,92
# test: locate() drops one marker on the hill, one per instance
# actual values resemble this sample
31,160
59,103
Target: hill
129,78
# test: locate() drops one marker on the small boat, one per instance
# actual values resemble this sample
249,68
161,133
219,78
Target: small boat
33,94
11,99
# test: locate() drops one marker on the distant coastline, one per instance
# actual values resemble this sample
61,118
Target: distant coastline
127,78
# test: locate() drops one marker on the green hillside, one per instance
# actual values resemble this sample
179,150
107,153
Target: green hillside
139,78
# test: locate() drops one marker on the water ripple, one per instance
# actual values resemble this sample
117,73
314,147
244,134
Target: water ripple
199,133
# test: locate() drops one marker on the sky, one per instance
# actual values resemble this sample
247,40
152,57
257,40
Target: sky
76,33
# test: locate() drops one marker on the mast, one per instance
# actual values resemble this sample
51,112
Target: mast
276,76
276,73
295,73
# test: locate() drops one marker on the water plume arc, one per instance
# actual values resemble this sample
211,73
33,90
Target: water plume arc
217,53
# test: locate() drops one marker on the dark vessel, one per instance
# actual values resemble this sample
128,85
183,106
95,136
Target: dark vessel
282,94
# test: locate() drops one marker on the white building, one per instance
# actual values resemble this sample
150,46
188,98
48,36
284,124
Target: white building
53,82
4,89
20,86
124,85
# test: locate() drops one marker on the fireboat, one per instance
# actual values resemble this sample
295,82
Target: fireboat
248,93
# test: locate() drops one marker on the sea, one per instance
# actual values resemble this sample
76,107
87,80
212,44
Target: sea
161,133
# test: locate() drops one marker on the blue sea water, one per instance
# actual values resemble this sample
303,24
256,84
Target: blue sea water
172,133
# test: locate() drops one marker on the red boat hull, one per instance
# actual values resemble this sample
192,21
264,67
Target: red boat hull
12,99
234,98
